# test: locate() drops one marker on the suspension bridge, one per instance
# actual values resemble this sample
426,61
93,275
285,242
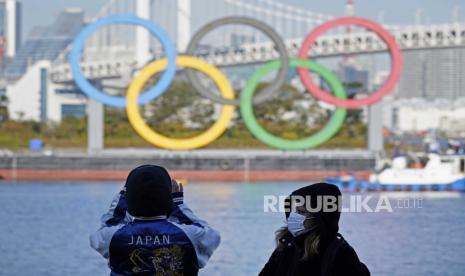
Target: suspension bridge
115,51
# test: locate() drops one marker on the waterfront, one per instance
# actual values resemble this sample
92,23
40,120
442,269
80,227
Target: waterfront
200,165
45,228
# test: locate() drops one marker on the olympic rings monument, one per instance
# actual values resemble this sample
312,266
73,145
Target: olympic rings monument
247,99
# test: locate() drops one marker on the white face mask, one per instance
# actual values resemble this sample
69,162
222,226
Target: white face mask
295,224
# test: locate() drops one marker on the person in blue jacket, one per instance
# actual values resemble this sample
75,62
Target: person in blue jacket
150,231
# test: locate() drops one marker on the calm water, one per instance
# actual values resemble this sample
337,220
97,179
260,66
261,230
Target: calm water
44,230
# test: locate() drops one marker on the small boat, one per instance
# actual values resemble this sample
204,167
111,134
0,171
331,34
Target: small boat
420,172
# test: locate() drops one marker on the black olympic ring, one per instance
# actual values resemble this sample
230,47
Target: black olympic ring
268,92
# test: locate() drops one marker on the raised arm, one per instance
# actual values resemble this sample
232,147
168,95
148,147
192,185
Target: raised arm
114,219
117,213
204,238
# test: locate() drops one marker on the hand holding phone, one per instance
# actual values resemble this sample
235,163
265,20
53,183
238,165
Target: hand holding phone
176,187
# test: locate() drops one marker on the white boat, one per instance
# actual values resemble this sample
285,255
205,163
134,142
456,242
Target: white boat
436,170
420,172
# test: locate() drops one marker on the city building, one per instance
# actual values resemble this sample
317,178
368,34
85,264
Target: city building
355,79
237,40
31,93
46,43
433,74
418,115
34,97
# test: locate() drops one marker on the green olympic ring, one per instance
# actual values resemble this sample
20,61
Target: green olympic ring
330,129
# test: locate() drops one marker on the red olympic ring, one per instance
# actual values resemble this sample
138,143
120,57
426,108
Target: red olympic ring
394,52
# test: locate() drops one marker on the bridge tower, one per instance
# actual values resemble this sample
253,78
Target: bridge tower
350,11
183,25
142,35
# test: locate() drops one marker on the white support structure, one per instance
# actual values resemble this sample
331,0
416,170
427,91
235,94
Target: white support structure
375,127
142,35
183,25
11,25
95,128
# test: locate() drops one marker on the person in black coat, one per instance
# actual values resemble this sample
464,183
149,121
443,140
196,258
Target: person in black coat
310,243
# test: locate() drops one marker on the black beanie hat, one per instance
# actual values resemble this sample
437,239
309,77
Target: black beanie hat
330,219
148,191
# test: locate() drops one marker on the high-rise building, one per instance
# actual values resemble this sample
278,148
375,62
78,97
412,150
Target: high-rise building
355,79
433,74
237,40
46,43
10,27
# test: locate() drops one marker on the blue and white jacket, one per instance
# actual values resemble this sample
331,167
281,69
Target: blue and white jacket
178,245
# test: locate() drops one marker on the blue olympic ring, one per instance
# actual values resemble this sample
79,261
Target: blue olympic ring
100,96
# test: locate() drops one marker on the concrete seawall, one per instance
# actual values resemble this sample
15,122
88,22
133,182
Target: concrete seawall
201,165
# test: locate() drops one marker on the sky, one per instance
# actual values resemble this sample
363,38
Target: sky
395,11
42,12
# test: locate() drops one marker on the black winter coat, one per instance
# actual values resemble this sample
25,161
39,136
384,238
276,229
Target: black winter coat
337,258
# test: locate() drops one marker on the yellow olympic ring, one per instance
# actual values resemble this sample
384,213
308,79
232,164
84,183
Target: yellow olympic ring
203,139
